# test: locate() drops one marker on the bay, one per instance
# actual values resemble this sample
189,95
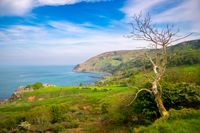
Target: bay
13,76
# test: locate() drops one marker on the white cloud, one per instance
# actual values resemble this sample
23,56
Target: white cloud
58,45
15,7
64,2
133,7
184,15
22,7
186,12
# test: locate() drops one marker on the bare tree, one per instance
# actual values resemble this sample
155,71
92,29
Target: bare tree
160,38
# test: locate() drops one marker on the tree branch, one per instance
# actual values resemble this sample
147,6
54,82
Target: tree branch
137,95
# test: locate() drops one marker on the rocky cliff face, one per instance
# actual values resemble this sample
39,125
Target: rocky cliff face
19,92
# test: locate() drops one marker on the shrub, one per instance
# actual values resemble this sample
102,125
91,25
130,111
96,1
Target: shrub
104,108
179,121
10,123
58,111
3,130
72,125
68,117
177,75
181,95
144,110
35,86
39,117
57,128
25,125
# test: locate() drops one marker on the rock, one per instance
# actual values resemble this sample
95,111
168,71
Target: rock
31,98
3,101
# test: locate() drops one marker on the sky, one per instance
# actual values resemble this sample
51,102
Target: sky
61,32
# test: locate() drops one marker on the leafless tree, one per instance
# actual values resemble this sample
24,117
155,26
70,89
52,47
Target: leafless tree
159,38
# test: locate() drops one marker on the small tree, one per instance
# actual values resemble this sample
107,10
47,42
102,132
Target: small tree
160,39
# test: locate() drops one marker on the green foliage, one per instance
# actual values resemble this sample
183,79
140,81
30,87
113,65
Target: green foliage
105,104
188,74
186,53
104,108
81,84
3,130
185,58
57,127
182,121
35,86
181,95
25,125
72,125
39,117
10,123
144,109
118,58
58,111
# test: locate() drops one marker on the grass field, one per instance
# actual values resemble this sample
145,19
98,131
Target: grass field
182,121
93,109
83,104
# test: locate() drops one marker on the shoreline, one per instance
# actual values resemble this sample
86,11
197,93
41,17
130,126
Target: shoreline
18,93
62,75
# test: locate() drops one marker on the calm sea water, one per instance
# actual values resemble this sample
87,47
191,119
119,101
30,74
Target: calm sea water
13,76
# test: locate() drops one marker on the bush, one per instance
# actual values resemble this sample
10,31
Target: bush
181,95
179,121
57,128
35,86
25,125
3,130
177,75
58,111
72,125
144,110
39,117
10,123
104,108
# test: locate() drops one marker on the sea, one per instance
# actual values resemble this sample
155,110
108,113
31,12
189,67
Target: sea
12,77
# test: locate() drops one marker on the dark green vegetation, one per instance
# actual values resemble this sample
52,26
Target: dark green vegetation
182,121
185,53
35,86
103,107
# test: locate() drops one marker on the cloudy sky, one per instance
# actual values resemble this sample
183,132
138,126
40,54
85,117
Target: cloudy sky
43,32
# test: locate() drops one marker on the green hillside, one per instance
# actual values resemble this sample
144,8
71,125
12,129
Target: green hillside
108,61
81,108
104,107
180,54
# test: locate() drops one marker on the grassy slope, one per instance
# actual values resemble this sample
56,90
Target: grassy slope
182,121
84,103
127,59
85,106
107,61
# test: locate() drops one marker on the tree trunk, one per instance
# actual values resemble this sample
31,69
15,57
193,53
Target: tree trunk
160,105
158,99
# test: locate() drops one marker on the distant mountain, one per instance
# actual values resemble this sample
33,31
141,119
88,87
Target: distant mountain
183,53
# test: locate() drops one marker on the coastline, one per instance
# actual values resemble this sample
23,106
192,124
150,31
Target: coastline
62,75
18,93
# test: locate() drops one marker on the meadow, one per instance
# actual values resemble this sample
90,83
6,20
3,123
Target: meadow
103,107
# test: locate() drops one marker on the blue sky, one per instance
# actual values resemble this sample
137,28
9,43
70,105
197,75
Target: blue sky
43,32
